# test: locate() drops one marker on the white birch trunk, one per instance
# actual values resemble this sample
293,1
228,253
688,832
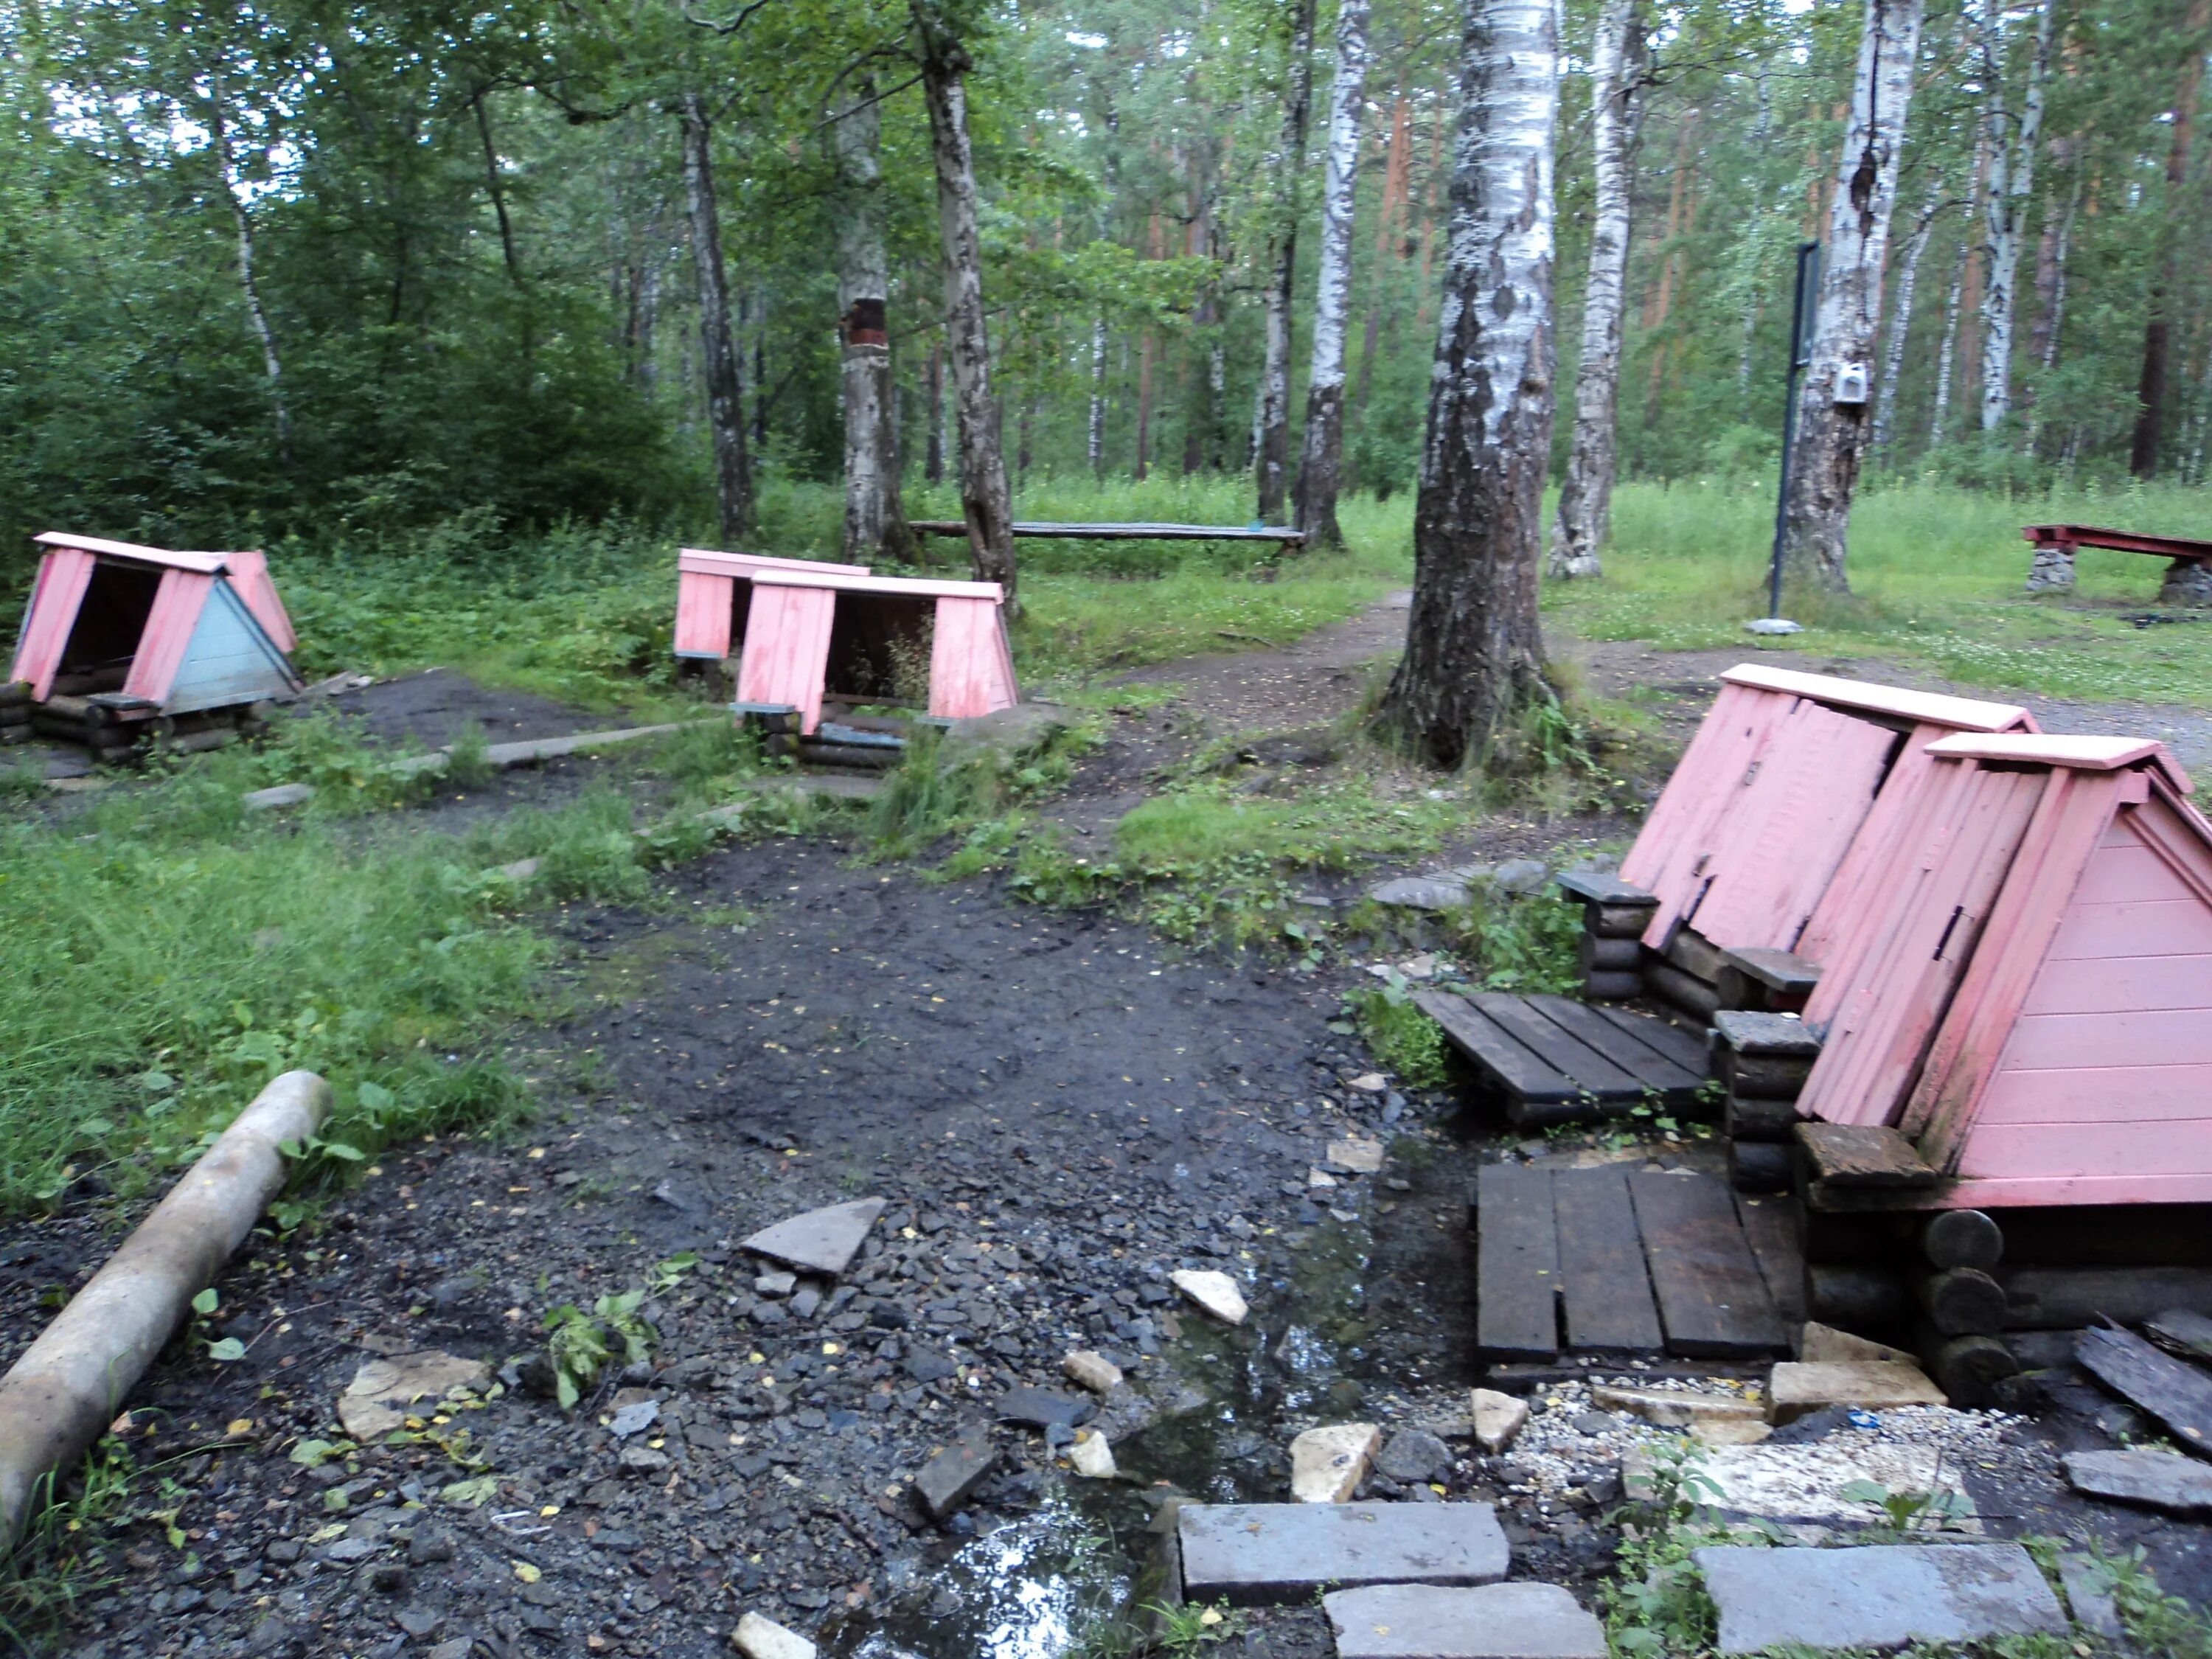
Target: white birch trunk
875,525
1098,436
1586,494
1900,320
1831,437
272,363
1473,658
1271,436
2012,179
1947,354
986,501
718,342
1321,466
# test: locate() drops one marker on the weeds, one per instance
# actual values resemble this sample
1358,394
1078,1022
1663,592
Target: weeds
579,1345
1400,1036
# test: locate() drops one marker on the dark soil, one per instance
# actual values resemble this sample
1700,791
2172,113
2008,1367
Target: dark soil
432,709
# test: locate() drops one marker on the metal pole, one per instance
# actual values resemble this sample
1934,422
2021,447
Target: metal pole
1801,354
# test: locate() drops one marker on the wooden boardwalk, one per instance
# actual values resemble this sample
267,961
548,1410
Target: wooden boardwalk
1622,1259
1557,1060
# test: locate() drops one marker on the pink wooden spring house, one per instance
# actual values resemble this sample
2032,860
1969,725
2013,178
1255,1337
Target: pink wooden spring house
713,597
166,632
2032,1000
1788,795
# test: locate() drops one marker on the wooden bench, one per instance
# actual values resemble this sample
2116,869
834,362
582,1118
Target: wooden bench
2188,577
1285,539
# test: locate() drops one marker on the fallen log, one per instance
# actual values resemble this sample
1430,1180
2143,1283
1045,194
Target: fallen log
67,1389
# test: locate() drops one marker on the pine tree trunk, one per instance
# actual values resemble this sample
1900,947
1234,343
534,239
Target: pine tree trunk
718,344
1473,659
1831,437
875,522
2011,180
1271,434
1397,176
1321,468
1900,321
985,499
2150,388
1586,493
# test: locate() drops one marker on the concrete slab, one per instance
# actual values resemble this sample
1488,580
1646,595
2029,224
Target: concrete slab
1877,1596
823,1241
1265,1554
1804,1484
2163,1480
1494,1621
1795,1388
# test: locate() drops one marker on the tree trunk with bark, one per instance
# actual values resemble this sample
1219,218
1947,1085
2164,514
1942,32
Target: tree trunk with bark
1947,354
1097,435
1271,434
986,501
1586,494
718,342
2013,145
1474,661
1900,320
2150,388
1831,437
875,521
272,362
1397,177
1321,468
934,460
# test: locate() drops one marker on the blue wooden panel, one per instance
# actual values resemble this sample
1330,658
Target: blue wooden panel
231,658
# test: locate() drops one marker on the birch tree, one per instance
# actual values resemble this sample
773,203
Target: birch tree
1474,660
1586,494
272,362
1831,437
986,501
875,523
1900,320
722,368
2012,142
1322,467
1271,426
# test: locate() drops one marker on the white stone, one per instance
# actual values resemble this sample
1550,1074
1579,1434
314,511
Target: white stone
763,1639
1823,1345
1216,1292
1499,1418
1805,1484
377,1400
1796,1389
1091,1370
1368,1083
1091,1455
1328,1464
1319,1180
1676,1409
1359,1157
281,795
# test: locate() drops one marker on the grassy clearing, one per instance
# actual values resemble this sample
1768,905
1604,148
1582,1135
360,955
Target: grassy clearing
1936,574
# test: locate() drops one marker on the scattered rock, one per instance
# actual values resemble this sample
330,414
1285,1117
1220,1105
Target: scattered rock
1414,1456
1668,1408
1430,893
1258,1555
1359,1157
929,1366
1823,1345
1368,1083
763,1639
953,1473
1876,1595
2088,1583
520,871
1216,1292
1091,1370
1328,1464
778,1285
1041,1408
1521,876
284,795
633,1417
1498,1418
823,1241
1091,1456
1492,1622
2162,1480
1795,1388
1319,1180
375,1402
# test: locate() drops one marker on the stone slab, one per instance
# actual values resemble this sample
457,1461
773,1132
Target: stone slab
1272,1554
823,1241
1039,1408
277,797
1492,1622
953,1472
1803,1485
763,1639
2162,1481
2088,1586
1421,893
1749,1033
1328,1463
1876,1596
1796,1388
1676,1408
1823,1345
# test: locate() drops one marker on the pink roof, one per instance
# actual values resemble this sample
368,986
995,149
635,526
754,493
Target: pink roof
915,586
1932,708
204,564
707,562
2082,753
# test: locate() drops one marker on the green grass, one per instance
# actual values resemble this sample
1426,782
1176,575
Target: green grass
1936,573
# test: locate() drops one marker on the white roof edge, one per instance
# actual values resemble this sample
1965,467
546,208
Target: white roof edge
1936,707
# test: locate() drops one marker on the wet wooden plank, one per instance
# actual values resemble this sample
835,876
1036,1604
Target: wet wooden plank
1517,1264
1625,1046
2174,1392
1604,1282
1507,1061
1712,1299
1770,1227
1864,1155
1594,1072
1686,1048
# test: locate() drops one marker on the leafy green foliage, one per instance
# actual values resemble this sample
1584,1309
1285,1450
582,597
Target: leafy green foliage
1399,1034
579,1345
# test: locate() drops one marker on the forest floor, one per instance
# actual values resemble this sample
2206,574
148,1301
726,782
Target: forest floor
1059,1107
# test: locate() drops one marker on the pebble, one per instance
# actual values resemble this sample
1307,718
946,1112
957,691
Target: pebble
1091,1370
763,1639
1216,1292
1091,1455
1499,1418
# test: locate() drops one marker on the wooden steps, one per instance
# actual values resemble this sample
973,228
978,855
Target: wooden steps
1620,1260
1557,1060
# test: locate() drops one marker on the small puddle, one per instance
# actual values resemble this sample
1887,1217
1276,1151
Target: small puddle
1072,1577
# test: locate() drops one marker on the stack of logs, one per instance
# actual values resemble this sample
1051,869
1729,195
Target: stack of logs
856,744
15,712
1762,1060
109,726
1614,917
1938,1283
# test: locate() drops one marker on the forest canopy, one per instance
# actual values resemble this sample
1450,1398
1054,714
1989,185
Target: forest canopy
290,267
